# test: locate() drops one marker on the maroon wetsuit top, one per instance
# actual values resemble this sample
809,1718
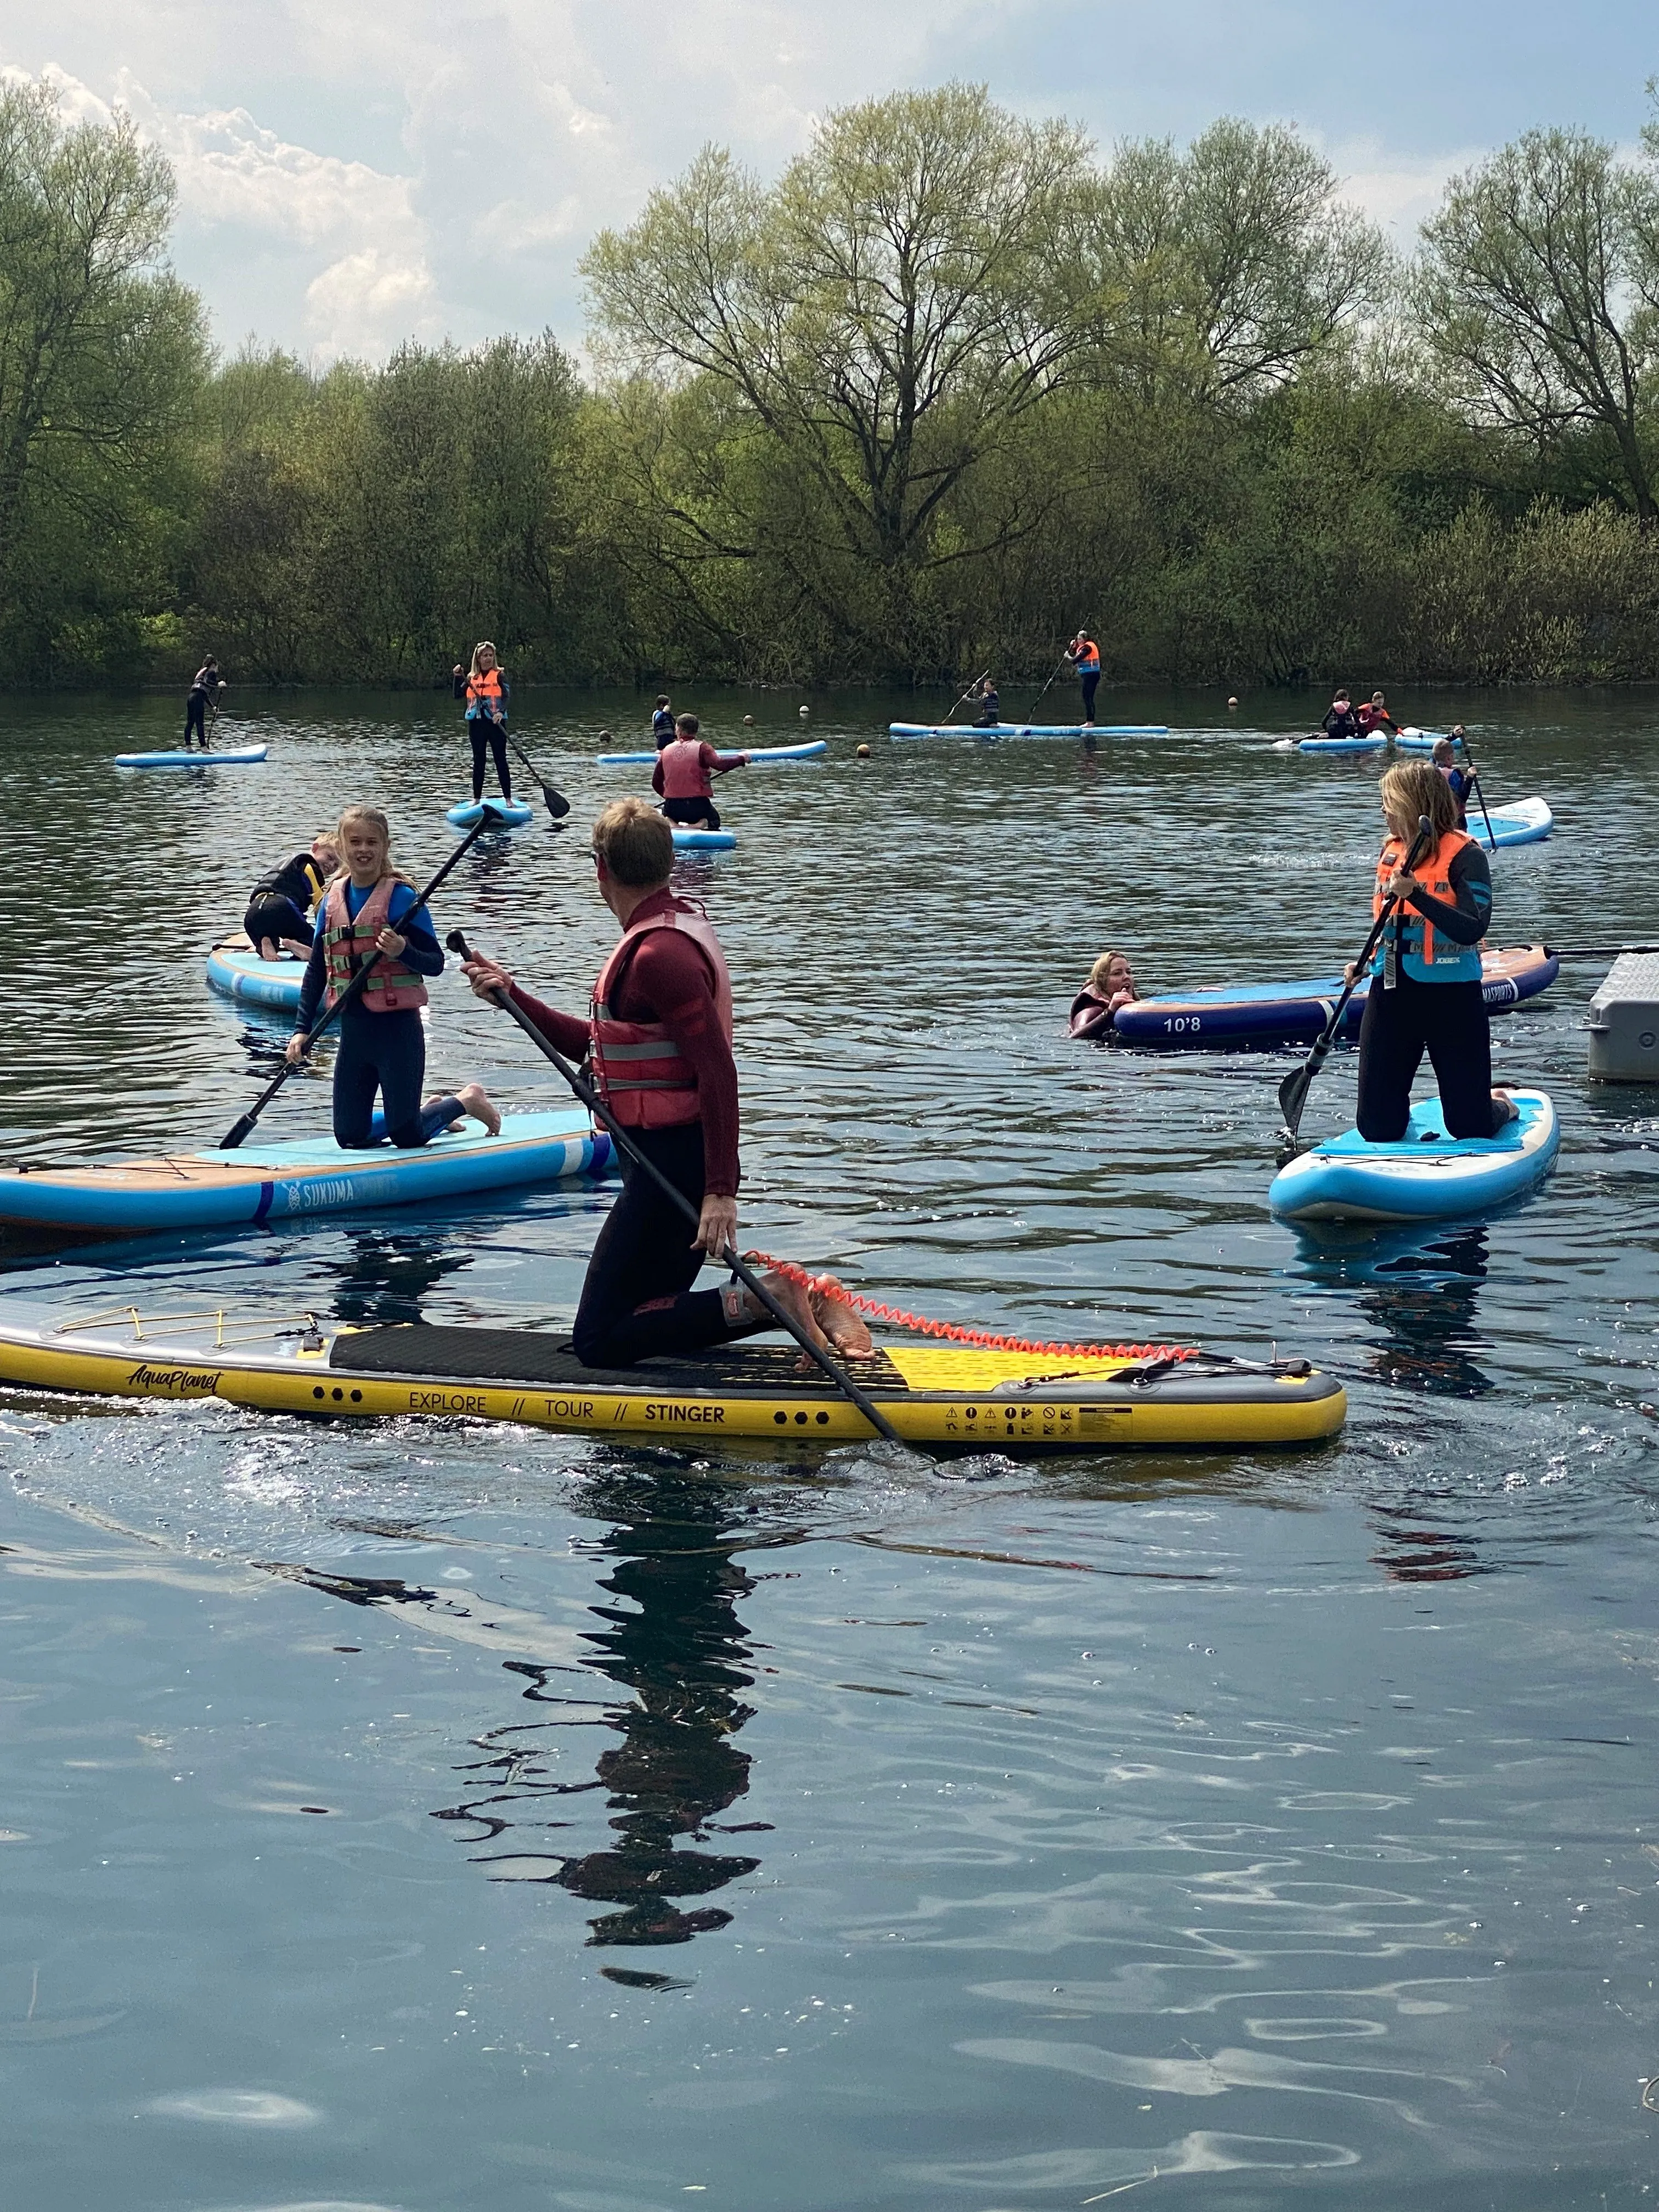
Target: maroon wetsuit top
667,981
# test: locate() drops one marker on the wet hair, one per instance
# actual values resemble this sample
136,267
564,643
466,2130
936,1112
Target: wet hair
687,725
1101,972
635,843
1412,788
484,644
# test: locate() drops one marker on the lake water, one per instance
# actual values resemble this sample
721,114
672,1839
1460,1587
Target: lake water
429,1815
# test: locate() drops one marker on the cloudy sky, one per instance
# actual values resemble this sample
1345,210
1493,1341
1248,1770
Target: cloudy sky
355,172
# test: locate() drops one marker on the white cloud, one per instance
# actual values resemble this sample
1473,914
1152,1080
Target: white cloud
1398,194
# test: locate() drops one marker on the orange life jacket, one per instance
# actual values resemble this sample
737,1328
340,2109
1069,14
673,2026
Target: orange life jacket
637,1067
347,944
684,775
483,695
1411,936
1088,658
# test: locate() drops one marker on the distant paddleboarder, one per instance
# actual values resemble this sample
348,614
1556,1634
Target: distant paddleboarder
658,1038
486,690
1084,656
207,687
990,703
662,722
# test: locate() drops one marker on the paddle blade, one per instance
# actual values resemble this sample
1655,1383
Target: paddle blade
557,805
237,1135
1293,1090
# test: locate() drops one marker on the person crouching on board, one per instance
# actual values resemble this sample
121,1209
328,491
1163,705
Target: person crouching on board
1341,722
990,703
1425,977
680,779
1111,984
367,907
282,903
657,1037
486,690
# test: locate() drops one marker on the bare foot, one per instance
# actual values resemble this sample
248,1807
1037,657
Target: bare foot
476,1099
840,1323
1504,1111
796,1304
267,950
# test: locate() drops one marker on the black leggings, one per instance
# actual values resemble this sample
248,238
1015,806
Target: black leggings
638,1299
693,812
480,732
276,918
385,1052
1450,1020
1091,685
196,708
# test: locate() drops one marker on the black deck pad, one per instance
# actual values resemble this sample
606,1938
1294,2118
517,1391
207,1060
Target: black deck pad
521,1355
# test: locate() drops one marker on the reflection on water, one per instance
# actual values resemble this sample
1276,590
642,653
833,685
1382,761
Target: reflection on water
388,1272
1419,1287
670,1637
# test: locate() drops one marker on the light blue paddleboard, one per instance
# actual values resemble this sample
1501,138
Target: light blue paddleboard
1028,730
217,756
760,756
1428,1177
703,840
240,972
265,1182
1367,744
1521,821
513,815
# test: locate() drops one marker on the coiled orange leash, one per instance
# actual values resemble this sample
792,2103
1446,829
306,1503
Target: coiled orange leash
954,1333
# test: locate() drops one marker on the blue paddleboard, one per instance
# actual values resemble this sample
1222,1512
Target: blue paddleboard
216,756
513,815
703,840
1426,1177
1367,744
759,756
236,969
1028,730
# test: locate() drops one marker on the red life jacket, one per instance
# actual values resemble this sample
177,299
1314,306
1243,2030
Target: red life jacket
1088,658
637,1067
391,986
683,774
1427,959
484,694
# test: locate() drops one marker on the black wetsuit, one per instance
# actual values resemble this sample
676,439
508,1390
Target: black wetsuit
1446,1020
382,1052
990,708
280,904
205,687
1343,725
484,732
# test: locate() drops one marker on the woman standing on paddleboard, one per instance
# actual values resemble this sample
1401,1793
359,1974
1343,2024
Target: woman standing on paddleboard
1425,991
486,690
368,907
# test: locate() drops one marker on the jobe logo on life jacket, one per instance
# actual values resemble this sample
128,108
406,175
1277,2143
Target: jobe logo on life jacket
349,942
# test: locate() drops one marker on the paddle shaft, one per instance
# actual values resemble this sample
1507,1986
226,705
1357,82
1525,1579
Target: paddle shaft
1293,1092
619,1137
1594,951
1479,793
239,1133
557,804
1043,694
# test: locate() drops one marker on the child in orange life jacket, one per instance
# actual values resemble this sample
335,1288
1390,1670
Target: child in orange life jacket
486,690
369,906
1425,991
680,779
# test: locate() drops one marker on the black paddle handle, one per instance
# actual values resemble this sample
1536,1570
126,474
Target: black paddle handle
239,1133
596,1106
1479,793
1425,828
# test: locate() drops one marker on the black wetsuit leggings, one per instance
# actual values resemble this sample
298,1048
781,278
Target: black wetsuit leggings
1091,685
196,708
276,918
385,1053
1448,1019
695,813
491,734
638,1299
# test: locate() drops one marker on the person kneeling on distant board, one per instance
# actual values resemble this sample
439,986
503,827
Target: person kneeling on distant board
680,779
658,1039
368,907
1111,984
280,905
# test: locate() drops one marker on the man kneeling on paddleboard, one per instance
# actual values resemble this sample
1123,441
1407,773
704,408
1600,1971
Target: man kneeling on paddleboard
658,1039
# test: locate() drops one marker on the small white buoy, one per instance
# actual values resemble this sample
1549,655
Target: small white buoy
864,752
805,711
1233,703
748,721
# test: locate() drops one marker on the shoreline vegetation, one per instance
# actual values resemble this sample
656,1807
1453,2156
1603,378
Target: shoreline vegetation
953,384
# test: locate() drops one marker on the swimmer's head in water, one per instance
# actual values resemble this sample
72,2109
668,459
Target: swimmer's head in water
1111,972
635,844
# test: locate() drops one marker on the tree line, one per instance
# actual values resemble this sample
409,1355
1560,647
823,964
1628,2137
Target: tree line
952,384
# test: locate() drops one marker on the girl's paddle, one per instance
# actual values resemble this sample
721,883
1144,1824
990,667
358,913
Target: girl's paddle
240,1132
1293,1090
557,805
1479,793
1594,951
596,1106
